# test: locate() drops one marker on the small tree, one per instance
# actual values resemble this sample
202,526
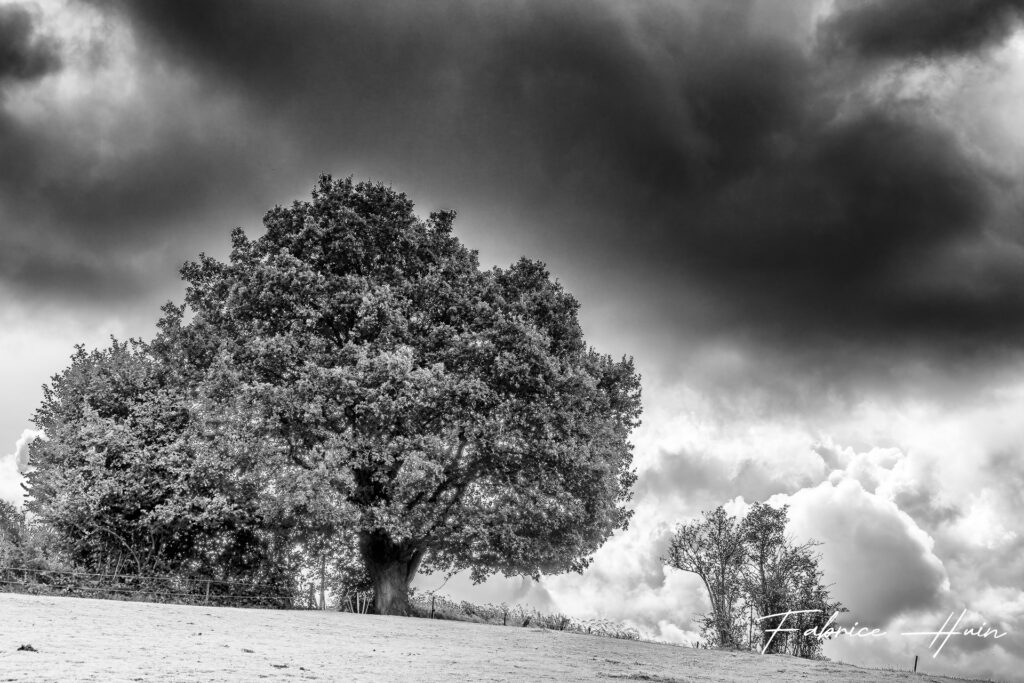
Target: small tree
714,549
810,597
769,566
751,565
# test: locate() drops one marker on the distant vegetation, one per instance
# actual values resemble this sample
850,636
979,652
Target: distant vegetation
751,570
27,544
441,607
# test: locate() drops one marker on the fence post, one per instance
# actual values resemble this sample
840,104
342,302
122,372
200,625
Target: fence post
323,571
206,600
915,663
432,598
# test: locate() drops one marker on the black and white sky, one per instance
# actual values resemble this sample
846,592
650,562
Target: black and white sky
803,218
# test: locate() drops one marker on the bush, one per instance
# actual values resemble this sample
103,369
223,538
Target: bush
26,544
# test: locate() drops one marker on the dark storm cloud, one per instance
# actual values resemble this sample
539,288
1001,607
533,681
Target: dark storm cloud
685,154
908,28
81,227
102,198
24,54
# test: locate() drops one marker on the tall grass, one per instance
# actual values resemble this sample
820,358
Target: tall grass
437,606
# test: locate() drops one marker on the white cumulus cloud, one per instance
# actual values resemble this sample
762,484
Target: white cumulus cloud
13,466
881,561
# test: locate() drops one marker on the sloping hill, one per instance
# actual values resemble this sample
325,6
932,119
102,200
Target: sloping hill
99,640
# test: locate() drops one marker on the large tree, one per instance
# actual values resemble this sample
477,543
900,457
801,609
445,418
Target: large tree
457,413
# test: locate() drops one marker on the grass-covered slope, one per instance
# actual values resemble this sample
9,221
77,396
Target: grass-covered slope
79,639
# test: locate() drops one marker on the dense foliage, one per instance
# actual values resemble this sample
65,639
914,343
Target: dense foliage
352,379
134,479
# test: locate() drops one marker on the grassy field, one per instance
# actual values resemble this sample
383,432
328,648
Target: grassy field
77,639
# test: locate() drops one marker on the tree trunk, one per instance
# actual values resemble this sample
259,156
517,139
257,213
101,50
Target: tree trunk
392,567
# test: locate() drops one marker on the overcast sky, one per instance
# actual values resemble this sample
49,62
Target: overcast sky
802,218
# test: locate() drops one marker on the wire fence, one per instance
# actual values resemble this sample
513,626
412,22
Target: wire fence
171,589
178,589
188,590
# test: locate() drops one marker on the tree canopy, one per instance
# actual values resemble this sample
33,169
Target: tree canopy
355,366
